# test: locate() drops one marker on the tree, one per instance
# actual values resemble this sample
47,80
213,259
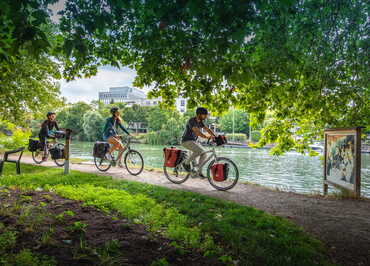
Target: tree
156,118
72,117
305,61
27,74
241,122
136,113
93,124
29,88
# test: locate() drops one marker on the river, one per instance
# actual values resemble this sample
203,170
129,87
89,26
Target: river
289,172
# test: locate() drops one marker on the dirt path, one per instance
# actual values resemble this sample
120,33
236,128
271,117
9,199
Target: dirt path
343,225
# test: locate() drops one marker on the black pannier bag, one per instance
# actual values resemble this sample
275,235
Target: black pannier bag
100,149
220,140
34,145
182,156
57,153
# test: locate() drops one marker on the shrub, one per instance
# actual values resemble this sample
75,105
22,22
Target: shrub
12,137
256,135
237,137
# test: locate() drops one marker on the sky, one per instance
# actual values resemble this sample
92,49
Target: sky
87,89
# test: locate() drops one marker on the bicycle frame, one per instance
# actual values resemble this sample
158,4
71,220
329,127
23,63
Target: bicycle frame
213,155
127,148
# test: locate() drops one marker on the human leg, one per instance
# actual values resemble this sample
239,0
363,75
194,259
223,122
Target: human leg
196,150
116,145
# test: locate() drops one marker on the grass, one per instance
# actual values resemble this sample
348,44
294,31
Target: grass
216,227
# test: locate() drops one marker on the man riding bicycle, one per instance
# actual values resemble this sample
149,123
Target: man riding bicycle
110,134
47,131
191,134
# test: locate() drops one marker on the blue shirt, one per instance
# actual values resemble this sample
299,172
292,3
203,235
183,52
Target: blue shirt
110,128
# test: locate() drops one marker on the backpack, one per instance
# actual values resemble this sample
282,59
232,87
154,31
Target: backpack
100,149
57,153
33,145
173,156
220,140
220,171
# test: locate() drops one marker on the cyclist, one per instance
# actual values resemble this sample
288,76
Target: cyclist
110,134
191,134
47,131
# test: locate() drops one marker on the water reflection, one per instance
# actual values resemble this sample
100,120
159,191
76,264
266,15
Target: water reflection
290,172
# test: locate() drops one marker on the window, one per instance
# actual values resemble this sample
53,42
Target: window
182,110
182,103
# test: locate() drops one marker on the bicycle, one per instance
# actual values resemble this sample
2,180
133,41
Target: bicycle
38,155
133,160
179,175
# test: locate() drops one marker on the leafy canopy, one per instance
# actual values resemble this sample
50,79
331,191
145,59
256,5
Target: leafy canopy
304,61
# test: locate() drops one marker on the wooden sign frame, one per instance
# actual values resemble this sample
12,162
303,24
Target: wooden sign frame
347,142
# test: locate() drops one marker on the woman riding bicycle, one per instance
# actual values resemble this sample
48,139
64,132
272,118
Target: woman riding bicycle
110,134
47,131
191,134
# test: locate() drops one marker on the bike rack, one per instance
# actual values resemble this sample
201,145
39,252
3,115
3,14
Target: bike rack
17,162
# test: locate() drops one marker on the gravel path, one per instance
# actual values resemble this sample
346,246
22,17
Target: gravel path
343,225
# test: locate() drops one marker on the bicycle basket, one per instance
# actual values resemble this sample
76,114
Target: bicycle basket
57,153
100,149
34,145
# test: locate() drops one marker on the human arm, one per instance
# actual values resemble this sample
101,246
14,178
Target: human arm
210,132
123,128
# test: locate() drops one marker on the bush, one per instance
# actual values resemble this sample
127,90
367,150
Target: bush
237,137
12,137
256,135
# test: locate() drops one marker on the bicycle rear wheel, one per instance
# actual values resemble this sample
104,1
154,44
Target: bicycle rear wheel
103,164
231,179
134,162
176,174
37,156
60,162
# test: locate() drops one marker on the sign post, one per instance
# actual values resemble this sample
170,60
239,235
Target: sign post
66,151
342,161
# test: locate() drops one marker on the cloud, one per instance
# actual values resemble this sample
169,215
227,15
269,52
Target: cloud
87,89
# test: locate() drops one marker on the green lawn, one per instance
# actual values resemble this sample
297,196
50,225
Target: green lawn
216,227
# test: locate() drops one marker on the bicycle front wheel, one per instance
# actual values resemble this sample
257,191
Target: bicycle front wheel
176,174
231,179
134,162
103,164
60,162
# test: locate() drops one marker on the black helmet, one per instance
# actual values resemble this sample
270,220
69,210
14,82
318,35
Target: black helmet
50,113
201,111
113,110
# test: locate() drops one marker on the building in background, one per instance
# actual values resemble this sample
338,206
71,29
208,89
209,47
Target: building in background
131,96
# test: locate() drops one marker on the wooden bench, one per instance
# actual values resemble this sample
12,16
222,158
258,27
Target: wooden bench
17,162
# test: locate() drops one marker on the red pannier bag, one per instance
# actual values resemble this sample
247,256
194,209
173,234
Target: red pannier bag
171,156
220,171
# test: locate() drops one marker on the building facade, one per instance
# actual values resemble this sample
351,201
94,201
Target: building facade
132,96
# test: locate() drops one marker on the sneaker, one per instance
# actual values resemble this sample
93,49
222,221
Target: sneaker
187,167
202,176
109,156
120,165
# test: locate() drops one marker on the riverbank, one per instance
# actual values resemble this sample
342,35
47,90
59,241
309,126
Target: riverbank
188,228
342,224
